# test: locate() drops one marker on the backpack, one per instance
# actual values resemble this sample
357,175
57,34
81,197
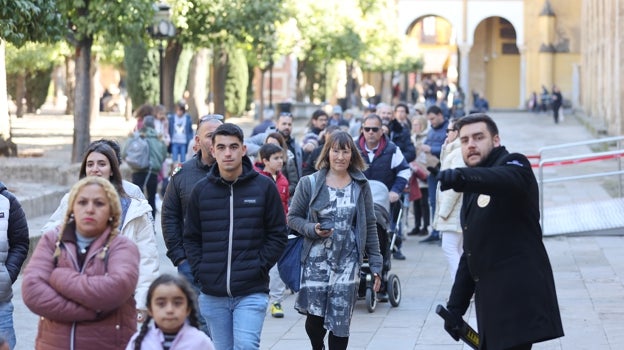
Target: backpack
137,152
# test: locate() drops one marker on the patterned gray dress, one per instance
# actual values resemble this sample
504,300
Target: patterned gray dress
331,272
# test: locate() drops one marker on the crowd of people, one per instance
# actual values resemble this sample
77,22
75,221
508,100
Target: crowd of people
228,210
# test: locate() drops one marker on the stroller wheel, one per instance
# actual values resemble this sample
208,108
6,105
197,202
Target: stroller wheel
371,300
394,290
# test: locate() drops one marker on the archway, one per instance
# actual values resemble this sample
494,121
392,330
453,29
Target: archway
495,63
434,39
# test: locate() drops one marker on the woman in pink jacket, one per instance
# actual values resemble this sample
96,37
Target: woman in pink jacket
81,280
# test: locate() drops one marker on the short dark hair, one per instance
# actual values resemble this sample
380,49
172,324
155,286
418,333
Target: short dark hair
402,105
434,110
477,118
373,116
341,140
269,149
229,129
318,113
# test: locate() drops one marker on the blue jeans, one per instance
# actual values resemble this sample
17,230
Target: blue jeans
178,152
432,182
6,323
184,269
235,323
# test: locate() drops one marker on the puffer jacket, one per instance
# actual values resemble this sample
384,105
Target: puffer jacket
448,203
139,227
188,337
234,232
87,308
309,201
13,241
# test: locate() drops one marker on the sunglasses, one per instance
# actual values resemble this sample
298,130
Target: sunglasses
285,114
449,130
208,117
369,129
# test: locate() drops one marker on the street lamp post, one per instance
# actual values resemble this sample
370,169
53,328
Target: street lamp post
162,29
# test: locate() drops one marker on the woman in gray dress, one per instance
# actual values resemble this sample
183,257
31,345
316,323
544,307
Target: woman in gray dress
337,219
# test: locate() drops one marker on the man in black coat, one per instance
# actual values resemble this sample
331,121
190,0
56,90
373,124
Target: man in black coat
176,198
504,263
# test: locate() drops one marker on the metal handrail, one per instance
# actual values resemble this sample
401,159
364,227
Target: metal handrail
617,139
619,154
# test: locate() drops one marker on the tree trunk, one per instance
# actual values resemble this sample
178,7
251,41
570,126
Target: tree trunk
301,81
5,122
82,133
172,56
94,97
198,76
20,94
220,74
70,85
261,107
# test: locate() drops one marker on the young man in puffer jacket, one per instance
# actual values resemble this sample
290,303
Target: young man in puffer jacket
13,250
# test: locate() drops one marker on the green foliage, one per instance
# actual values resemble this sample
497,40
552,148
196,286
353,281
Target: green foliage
111,21
142,79
34,62
37,86
32,57
236,82
22,21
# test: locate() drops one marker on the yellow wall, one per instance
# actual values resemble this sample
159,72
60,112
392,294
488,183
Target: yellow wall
503,88
566,29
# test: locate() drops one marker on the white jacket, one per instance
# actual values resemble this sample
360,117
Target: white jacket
448,203
138,226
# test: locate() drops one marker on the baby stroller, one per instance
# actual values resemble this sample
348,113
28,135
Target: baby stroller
390,283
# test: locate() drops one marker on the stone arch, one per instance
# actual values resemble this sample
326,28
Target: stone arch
495,62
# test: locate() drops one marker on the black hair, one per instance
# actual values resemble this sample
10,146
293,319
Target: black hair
402,105
317,114
113,144
108,151
228,129
434,110
269,149
191,299
477,118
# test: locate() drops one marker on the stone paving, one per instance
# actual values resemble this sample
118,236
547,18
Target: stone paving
589,269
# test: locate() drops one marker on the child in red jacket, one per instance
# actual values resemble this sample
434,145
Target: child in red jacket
271,161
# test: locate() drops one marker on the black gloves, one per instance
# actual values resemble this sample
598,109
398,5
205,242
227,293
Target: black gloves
451,179
454,323
434,170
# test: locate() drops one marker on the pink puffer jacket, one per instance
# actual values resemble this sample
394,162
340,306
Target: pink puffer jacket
89,309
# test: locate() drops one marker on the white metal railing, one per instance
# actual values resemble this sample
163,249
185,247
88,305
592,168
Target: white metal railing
577,159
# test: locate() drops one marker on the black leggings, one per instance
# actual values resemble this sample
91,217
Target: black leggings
421,210
316,333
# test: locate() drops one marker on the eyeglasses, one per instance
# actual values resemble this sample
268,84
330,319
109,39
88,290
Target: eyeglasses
369,129
449,130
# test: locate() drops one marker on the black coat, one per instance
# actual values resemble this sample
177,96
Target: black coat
175,203
234,232
505,262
